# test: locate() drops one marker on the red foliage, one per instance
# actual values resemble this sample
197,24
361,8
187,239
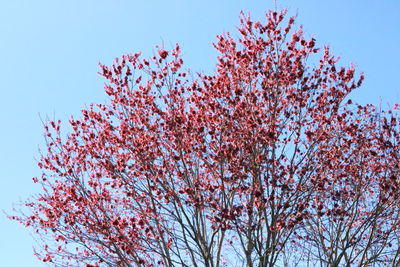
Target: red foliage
240,167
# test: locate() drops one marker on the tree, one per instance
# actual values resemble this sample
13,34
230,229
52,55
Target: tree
263,163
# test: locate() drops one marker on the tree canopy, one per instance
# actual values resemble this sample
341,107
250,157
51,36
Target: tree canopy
265,162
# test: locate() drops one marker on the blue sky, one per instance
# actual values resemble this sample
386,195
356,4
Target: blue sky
49,51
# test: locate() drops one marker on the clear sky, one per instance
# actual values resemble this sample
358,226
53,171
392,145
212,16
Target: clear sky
49,51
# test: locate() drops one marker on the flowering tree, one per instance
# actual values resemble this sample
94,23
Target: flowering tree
263,163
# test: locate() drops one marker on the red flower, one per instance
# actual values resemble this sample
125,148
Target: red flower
163,53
